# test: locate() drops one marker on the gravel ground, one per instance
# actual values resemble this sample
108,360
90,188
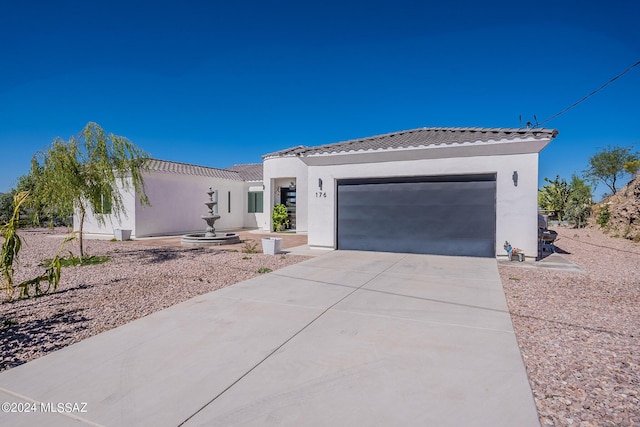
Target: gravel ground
579,333
138,281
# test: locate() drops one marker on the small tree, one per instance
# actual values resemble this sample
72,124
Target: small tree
608,166
554,197
578,207
85,172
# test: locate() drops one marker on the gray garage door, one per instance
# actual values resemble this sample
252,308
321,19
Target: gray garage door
446,215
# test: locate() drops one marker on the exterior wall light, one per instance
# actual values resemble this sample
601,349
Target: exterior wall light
320,183
515,178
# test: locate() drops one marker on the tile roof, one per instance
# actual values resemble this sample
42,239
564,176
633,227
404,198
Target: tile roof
187,169
248,172
420,138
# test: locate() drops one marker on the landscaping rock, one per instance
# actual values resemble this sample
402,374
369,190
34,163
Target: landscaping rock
624,211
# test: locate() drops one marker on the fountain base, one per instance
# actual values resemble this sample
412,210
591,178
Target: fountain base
201,239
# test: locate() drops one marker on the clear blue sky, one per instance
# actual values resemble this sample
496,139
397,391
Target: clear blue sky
218,83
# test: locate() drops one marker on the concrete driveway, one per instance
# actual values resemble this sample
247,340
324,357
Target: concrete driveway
344,339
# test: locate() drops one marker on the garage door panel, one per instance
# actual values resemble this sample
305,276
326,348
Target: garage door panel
448,218
440,247
436,222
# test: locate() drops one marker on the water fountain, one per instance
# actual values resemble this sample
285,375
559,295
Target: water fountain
209,237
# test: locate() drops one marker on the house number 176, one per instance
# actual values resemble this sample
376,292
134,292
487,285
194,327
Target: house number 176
321,194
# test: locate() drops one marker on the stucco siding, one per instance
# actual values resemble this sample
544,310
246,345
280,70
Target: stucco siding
111,222
279,172
177,203
258,219
516,214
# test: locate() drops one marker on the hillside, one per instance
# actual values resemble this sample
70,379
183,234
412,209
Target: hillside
624,211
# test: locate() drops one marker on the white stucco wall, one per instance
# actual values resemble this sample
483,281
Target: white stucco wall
254,220
126,220
516,206
177,202
279,172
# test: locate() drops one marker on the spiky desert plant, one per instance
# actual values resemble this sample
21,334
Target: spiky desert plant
9,255
12,244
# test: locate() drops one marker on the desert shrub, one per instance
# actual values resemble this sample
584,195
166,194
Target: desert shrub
603,216
250,246
280,217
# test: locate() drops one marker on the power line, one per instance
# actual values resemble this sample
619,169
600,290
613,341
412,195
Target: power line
588,96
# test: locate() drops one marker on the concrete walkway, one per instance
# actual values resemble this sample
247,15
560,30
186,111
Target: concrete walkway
553,261
289,240
344,339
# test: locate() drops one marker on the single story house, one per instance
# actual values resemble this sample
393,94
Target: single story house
449,191
177,192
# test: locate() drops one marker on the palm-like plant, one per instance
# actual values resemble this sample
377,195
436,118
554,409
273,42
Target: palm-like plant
9,255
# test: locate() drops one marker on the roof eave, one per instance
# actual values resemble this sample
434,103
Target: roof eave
427,152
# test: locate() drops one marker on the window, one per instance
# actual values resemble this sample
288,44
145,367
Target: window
229,201
105,204
255,201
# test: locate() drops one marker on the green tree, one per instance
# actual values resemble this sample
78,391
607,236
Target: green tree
608,166
86,172
578,207
6,206
554,196
632,167
35,210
